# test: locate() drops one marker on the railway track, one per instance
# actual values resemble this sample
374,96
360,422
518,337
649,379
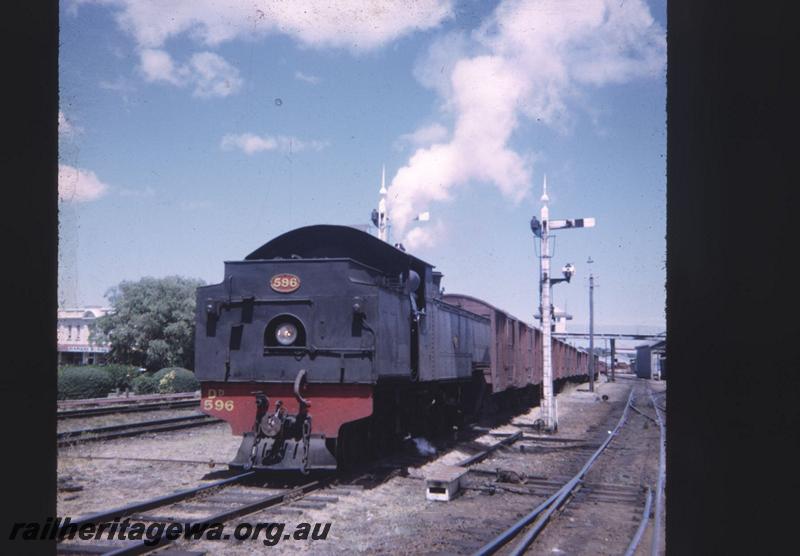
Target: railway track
244,494
71,409
578,498
247,494
219,502
128,408
110,432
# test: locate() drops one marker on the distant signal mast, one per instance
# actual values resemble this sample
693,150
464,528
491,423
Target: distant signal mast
380,216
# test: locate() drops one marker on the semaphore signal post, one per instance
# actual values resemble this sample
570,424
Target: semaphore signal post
541,229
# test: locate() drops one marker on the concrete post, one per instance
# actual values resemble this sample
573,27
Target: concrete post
591,333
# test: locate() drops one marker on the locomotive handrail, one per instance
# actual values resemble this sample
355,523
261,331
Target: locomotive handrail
298,382
268,300
311,350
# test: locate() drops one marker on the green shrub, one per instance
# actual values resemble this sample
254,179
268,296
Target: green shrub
122,375
144,384
83,382
176,379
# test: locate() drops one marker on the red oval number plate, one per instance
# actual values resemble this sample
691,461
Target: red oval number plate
284,283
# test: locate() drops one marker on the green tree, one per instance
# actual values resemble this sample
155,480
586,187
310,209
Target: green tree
151,323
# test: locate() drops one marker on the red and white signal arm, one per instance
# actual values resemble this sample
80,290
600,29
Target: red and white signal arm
284,283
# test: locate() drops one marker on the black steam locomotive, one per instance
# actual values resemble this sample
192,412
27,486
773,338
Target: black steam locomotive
327,344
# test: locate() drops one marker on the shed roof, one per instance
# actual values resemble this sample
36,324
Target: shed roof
82,312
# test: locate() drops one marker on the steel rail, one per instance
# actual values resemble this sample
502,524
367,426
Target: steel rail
272,500
547,508
642,524
210,463
660,482
122,511
475,458
123,426
110,432
642,413
127,408
128,399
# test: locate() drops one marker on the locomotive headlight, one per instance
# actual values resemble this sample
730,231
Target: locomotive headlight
286,334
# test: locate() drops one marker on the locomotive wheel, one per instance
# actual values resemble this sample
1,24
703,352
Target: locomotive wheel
352,443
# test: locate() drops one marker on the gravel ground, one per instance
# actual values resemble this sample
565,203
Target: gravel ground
394,516
603,519
117,477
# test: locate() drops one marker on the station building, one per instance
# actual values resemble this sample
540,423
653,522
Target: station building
651,360
74,347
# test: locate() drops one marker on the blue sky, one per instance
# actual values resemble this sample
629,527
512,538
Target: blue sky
193,133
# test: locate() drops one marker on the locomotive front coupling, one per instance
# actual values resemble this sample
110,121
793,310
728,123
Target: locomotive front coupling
278,439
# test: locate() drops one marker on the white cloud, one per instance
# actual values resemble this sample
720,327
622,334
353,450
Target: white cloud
312,79
351,24
250,143
209,73
213,76
527,61
157,65
79,185
65,126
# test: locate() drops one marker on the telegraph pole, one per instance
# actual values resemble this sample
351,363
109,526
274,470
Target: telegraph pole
591,329
542,231
613,357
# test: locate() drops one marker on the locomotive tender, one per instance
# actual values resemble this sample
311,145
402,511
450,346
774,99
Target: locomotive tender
326,345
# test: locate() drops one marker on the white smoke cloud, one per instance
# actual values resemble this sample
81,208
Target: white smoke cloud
424,236
423,446
423,136
79,185
249,143
527,61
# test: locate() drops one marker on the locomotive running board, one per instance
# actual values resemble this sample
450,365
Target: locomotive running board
319,456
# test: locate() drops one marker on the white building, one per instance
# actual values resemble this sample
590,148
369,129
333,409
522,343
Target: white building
559,321
561,318
74,347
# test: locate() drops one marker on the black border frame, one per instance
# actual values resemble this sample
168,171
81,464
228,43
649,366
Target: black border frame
732,178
